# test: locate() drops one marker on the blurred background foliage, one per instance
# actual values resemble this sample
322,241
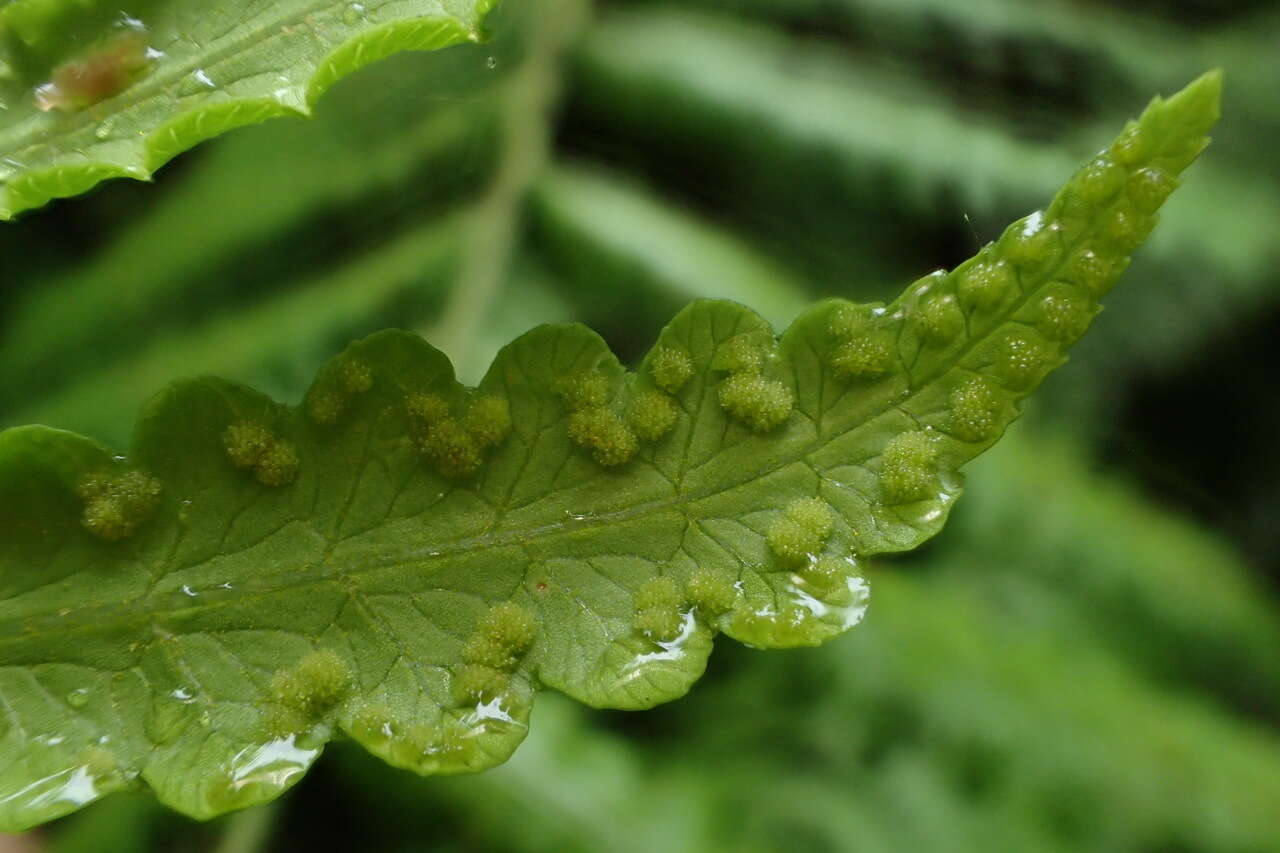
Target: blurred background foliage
1089,657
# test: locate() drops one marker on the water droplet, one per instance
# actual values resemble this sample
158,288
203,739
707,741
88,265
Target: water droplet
78,698
75,787
48,97
196,82
484,711
274,763
187,590
672,650
354,14
491,63
103,130
846,608
183,695
125,20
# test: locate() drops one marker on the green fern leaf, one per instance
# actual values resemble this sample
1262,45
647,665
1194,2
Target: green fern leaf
88,93
405,561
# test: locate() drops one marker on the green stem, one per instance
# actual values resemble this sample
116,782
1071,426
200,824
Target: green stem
527,103
250,830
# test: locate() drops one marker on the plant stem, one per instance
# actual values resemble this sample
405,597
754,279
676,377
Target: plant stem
250,830
527,102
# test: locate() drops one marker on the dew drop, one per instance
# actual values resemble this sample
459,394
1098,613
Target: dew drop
673,647
78,698
353,14
48,97
846,605
196,82
74,787
487,711
491,63
274,764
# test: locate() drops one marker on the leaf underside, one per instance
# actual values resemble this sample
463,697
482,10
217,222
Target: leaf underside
90,92
405,561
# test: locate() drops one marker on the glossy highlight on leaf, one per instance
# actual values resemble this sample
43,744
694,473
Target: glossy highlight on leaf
90,92
405,561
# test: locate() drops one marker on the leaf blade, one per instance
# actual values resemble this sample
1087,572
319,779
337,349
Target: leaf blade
405,560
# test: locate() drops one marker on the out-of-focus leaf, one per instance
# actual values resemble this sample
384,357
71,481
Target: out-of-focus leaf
244,220
277,344
91,93
1157,589
614,242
